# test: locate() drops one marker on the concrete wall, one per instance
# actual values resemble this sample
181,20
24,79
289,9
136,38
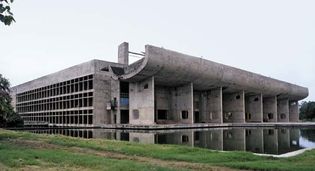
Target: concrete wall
293,111
270,107
163,101
283,110
141,102
182,100
254,108
102,96
211,109
234,107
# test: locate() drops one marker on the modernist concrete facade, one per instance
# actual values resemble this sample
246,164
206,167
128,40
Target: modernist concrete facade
163,87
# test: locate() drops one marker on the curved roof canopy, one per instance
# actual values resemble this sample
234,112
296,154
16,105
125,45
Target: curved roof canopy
170,68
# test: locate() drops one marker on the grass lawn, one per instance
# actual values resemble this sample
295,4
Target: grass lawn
28,151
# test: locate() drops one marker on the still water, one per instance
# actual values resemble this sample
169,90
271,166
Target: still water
258,140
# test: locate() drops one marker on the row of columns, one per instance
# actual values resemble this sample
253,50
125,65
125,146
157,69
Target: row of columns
184,105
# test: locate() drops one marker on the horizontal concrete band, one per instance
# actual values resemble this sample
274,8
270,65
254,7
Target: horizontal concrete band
173,69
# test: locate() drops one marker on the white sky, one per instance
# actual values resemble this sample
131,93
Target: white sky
275,38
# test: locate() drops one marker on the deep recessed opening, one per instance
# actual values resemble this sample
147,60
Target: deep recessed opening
184,114
162,114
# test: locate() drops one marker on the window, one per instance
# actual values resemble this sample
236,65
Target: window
146,86
162,115
270,115
256,99
238,97
184,114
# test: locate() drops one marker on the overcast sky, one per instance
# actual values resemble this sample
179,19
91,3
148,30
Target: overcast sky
275,38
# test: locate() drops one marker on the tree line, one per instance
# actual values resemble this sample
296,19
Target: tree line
8,117
307,110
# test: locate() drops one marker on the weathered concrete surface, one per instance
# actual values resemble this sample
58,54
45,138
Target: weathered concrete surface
123,53
182,101
270,109
141,102
254,108
283,110
234,107
211,107
174,69
293,111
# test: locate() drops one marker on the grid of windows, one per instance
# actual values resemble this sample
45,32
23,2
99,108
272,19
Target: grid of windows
68,102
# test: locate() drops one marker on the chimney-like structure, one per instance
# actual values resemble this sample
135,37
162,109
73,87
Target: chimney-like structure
123,53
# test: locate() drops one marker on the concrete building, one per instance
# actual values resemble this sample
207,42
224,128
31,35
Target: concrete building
163,87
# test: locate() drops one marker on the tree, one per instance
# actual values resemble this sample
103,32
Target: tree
8,117
307,110
6,16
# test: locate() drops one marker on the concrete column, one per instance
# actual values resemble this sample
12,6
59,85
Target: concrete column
211,108
283,110
141,102
123,53
293,111
182,102
270,109
254,108
234,107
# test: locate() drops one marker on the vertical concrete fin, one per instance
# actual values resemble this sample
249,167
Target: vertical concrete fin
293,111
270,109
234,107
123,53
283,110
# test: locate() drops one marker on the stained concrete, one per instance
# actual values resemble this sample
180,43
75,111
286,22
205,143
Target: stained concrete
254,108
182,100
234,107
293,111
270,109
283,110
211,107
141,102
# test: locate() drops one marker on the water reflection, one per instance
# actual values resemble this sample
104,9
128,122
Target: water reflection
258,140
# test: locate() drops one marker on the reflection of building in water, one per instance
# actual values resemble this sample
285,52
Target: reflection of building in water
234,139
258,140
212,139
254,140
162,87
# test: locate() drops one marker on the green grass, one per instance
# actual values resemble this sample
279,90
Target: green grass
15,156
